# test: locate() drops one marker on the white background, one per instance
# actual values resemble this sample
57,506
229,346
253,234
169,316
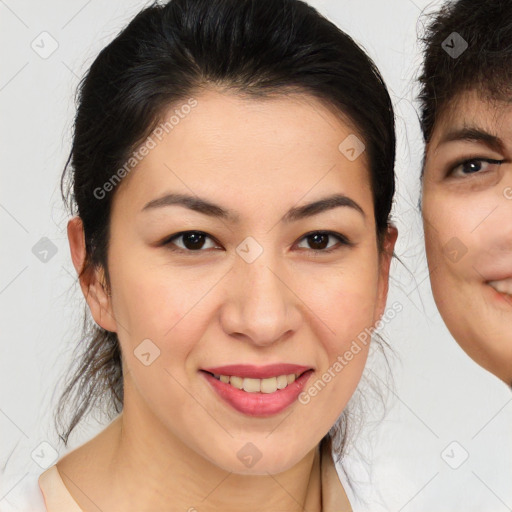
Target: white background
439,394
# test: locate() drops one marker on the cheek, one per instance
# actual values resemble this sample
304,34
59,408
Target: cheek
155,302
450,241
344,299
463,236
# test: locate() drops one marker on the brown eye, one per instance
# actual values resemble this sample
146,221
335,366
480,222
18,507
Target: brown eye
192,241
318,241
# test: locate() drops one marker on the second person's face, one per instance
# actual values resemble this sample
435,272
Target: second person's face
467,214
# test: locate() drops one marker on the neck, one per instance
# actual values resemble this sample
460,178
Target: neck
165,473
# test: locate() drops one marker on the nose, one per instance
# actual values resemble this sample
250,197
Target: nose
260,305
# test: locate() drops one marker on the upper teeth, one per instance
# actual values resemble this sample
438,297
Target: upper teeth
503,286
269,385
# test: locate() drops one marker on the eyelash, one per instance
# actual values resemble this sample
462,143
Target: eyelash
469,160
344,241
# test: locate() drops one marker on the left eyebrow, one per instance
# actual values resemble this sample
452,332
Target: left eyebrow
474,134
324,204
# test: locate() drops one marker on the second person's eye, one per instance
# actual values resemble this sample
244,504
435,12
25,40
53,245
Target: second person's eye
473,166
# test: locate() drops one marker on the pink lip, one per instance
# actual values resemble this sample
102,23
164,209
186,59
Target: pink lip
257,372
258,404
502,298
498,277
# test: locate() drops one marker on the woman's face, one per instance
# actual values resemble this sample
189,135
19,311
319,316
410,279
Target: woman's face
467,212
249,288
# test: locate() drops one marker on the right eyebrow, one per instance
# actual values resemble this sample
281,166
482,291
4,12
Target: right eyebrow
474,134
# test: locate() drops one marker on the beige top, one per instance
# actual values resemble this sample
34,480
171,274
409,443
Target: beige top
58,499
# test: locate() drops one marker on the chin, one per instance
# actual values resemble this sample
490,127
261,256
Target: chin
249,460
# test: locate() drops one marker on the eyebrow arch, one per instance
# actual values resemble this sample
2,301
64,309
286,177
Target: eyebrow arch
473,134
205,207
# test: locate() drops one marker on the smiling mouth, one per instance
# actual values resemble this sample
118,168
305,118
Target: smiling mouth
503,286
503,289
252,385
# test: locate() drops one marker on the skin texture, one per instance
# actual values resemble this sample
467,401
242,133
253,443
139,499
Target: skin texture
259,158
468,228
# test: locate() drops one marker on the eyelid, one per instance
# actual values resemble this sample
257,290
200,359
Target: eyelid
167,241
462,161
342,239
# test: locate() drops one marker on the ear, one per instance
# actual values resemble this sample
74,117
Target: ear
92,281
384,266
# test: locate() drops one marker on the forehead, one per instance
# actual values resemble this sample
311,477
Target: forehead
475,109
232,143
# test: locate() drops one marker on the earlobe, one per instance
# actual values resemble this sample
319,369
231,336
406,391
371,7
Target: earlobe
92,281
99,301
390,241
